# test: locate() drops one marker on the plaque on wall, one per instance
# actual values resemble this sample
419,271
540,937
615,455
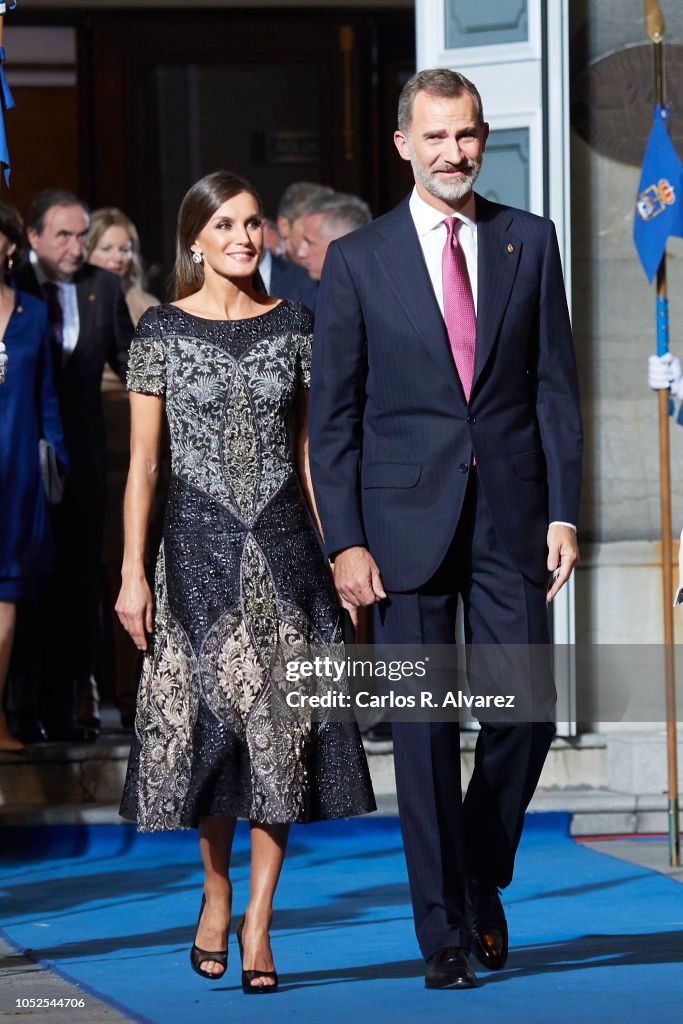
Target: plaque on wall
287,147
613,98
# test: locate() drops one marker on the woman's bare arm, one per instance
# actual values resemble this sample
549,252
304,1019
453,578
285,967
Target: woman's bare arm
134,606
300,439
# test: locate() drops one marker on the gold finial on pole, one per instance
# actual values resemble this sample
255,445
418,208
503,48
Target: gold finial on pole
654,21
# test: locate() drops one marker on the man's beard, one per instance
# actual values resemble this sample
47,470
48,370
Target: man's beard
449,191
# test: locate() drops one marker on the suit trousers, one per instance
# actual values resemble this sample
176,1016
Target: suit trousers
72,605
448,839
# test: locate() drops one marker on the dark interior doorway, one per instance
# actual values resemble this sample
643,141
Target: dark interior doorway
277,96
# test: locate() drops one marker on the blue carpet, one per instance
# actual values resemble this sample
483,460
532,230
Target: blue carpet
593,938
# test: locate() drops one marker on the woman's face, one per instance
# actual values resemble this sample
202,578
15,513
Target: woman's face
114,251
231,243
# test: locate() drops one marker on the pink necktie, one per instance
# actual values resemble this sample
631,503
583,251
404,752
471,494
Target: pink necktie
458,306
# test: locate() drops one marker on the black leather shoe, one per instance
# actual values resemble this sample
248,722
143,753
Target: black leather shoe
450,968
66,732
25,728
489,927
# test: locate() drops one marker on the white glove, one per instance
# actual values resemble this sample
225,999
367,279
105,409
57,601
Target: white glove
3,363
665,372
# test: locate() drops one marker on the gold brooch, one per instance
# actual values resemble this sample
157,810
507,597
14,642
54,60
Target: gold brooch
511,247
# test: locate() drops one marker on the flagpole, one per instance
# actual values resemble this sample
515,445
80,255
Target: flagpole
654,23
6,101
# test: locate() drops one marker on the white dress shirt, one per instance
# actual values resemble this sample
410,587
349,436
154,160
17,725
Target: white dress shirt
68,300
431,232
266,268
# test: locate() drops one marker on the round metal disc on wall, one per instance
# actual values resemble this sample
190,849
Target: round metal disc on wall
613,98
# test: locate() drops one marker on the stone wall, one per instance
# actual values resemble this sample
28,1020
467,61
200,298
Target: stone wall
613,305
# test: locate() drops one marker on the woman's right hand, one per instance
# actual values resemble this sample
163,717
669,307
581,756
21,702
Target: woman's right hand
135,609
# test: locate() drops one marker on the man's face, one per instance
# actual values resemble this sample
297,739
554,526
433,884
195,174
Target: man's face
313,245
444,144
293,238
61,245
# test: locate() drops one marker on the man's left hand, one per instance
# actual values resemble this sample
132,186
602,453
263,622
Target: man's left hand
563,554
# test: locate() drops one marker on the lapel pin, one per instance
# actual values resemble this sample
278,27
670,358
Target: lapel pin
511,247
91,297
20,309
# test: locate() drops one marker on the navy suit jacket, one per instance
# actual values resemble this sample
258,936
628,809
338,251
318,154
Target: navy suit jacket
289,281
391,435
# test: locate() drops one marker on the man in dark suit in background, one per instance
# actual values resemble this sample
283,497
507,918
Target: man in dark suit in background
325,220
286,280
445,442
89,326
296,200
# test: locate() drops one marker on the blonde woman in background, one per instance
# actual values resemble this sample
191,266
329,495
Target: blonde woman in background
114,244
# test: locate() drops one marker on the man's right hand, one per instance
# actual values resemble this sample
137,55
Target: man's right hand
357,578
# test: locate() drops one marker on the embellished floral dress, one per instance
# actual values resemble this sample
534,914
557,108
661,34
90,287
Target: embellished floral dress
240,577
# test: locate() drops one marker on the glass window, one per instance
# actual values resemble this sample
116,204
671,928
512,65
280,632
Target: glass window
473,23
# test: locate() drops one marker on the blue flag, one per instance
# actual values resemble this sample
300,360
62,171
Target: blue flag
6,103
659,205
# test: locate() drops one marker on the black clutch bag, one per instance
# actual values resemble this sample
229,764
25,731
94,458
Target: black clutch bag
49,470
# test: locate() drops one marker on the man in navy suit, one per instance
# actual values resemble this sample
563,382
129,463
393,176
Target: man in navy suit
287,280
445,442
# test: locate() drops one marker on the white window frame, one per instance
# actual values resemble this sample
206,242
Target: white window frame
510,78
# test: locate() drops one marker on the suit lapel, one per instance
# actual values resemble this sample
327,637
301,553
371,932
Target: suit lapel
497,261
87,306
400,258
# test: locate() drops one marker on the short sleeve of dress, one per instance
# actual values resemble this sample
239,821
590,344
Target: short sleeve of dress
304,335
147,357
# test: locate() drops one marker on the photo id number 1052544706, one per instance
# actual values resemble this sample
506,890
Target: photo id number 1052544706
45,1003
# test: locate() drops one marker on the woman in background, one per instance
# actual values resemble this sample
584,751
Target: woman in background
28,412
114,245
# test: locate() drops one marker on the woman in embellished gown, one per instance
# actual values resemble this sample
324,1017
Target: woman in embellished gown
240,576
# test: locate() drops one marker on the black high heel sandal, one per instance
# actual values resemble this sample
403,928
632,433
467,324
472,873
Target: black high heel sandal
200,956
248,976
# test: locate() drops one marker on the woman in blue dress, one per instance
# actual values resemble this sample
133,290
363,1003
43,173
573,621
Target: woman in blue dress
28,412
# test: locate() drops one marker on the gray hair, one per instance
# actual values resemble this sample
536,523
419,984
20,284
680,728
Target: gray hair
299,196
437,82
343,212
